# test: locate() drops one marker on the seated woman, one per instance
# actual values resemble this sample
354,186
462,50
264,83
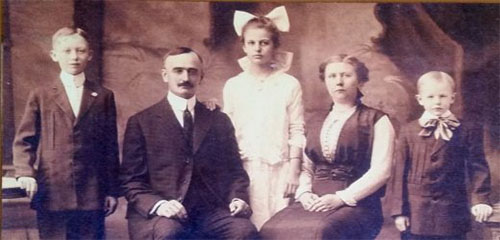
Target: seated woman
349,159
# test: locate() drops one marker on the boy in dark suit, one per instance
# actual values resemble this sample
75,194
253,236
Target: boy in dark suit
437,158
65,149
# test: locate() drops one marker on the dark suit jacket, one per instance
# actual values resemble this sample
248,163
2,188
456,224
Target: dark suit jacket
157,163
76,157
430,182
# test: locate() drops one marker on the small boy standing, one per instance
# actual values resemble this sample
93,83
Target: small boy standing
66,150
437,159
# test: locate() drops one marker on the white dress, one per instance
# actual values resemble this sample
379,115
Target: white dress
268,118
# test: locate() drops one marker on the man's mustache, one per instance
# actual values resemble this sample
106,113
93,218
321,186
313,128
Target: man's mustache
186,84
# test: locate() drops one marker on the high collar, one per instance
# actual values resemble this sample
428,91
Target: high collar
426,116
179,103
72,80
281,63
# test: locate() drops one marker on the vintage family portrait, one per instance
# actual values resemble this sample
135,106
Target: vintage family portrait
250,120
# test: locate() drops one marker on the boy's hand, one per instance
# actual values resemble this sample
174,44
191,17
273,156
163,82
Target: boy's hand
110,204
481,212
239,207
292,180
29,185
402,223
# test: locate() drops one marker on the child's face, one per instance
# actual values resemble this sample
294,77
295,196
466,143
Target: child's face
342,82
258,45
72,53
436,96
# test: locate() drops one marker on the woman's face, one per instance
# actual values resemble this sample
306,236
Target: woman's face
258,45
341,82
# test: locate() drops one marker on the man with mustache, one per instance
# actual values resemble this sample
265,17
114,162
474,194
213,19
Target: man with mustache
181,170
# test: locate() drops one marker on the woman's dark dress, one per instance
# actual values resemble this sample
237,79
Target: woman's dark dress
352,159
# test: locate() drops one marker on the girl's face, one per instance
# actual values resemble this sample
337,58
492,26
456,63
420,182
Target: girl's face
342,82
258,45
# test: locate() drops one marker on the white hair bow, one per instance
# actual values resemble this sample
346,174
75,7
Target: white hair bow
278,16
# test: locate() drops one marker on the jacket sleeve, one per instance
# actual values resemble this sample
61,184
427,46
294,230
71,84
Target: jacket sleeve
111,147
239,181
134,174
398,183
27,138
477,167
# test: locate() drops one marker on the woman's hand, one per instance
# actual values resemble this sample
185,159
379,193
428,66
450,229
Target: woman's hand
292,180
307,200
326,202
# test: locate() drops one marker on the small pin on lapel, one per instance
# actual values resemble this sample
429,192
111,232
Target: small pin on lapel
94,94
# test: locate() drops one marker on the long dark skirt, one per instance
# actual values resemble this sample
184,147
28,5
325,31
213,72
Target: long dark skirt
294,222
361,222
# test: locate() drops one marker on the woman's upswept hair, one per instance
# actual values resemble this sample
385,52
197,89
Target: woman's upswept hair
359,67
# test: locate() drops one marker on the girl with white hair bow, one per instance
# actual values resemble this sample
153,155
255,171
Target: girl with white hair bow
265,106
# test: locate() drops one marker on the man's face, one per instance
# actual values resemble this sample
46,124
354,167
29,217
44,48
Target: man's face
72,53
183,74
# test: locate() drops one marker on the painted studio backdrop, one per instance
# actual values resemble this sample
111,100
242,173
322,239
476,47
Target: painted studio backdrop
398,42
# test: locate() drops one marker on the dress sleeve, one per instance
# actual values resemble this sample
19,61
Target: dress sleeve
380,166
296,117
305,178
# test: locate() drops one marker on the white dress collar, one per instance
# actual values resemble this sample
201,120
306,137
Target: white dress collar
282,62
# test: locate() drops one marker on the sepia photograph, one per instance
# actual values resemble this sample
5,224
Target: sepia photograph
250,120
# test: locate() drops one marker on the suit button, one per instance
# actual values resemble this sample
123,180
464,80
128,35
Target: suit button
188,160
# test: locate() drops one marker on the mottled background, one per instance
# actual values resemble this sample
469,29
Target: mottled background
398,42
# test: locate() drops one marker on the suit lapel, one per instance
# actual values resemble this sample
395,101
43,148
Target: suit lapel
438,145
88,97
202,123
61,99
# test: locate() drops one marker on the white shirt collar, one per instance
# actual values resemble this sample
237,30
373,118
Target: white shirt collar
282,62
179,103
72,80
426,116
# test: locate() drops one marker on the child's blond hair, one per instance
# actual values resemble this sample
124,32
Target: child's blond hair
436,76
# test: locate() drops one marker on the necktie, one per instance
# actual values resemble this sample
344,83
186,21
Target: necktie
442,127
188,127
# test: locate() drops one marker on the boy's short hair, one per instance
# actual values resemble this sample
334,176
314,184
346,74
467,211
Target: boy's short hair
436,76
67,31
179,51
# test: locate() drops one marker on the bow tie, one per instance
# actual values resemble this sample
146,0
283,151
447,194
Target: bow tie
442,127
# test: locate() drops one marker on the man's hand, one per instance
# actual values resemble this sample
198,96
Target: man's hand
402,223
110,204
307,199
481,211
172,209
29,185
326,202
238,207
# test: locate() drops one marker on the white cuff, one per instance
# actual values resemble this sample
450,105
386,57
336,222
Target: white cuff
347,198
156,206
